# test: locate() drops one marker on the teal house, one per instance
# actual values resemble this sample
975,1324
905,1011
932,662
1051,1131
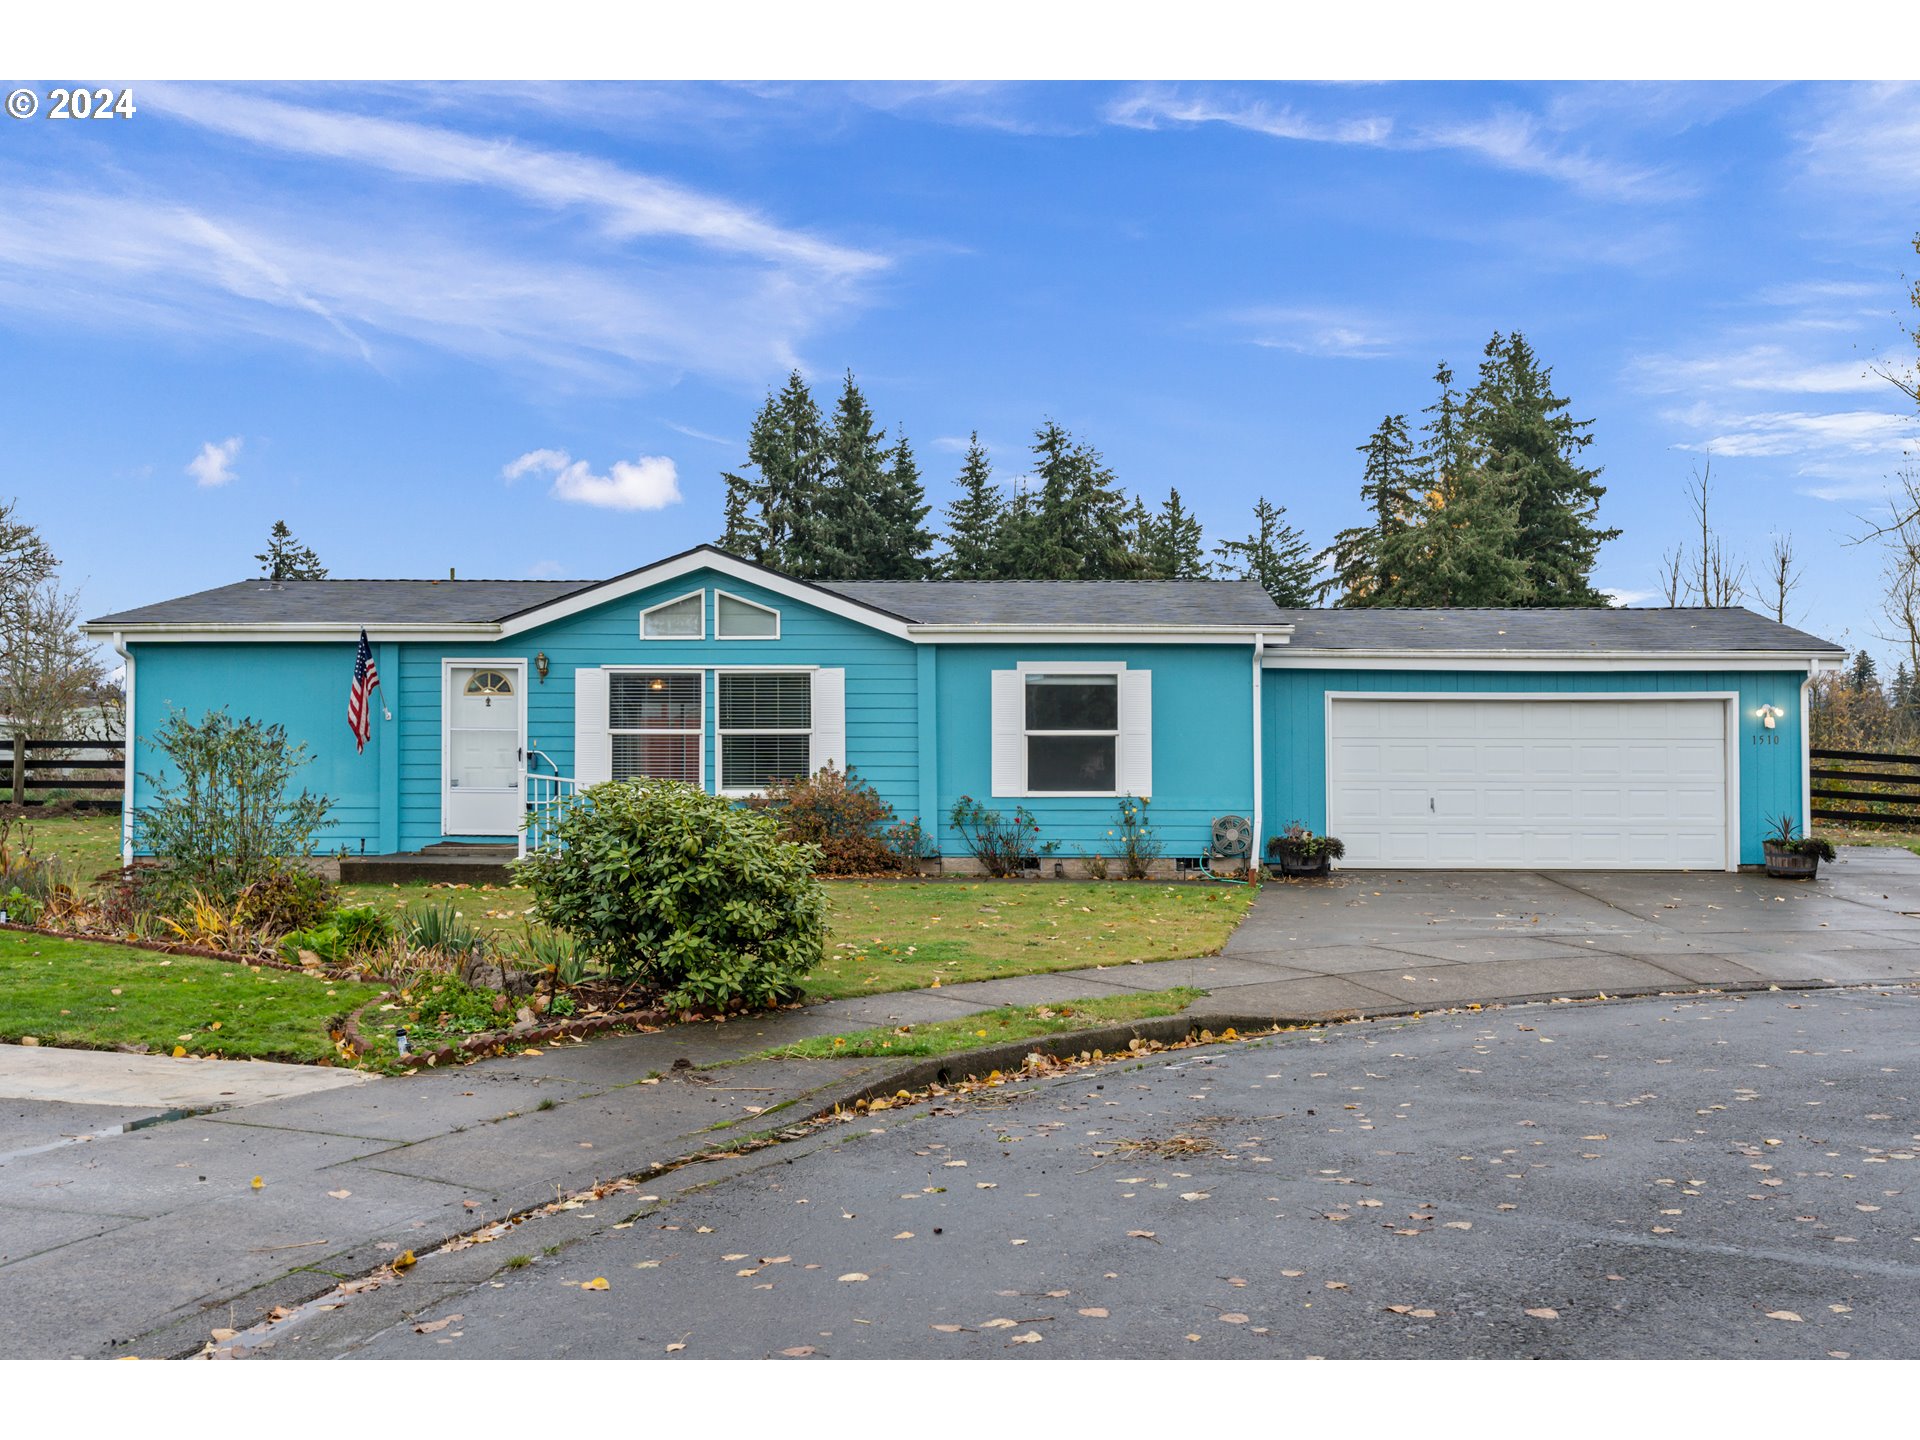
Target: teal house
1601,739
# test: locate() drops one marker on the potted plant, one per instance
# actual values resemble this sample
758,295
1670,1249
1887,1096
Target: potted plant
1296,850
1791,856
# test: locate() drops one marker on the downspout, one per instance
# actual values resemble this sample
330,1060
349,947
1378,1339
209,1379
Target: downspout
1259,757
127,755
1806,749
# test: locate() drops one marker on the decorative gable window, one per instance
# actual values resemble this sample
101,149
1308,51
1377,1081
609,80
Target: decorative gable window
737,619
1072,728
684,618
655,723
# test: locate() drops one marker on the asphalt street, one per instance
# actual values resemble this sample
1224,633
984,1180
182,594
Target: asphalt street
1719,1176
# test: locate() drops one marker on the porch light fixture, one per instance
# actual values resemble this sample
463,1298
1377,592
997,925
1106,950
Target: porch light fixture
540,665
1768,714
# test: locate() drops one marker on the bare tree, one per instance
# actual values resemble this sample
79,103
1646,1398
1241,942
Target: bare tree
1900,567
1706,576
1782,579
49,672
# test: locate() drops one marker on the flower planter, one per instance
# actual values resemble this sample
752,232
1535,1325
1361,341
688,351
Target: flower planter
1299,867
1786,864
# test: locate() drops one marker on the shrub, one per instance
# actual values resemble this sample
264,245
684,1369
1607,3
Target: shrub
694,896
346,933
838,813
36,887
440,927
1138,847
286,898
226,815
910,843
1002,846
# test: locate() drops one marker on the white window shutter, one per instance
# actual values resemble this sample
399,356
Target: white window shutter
592,744
1136,733
829,720
1009,733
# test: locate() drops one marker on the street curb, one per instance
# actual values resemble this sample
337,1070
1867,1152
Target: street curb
187,1336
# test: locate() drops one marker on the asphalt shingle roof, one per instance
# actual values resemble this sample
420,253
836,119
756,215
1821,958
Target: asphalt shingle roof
1570,630
355,602
1066,602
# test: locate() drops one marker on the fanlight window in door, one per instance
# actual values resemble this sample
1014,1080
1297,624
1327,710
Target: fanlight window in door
489,683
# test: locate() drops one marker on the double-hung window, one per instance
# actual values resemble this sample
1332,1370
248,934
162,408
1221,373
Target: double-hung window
1072,734
766,728
654,720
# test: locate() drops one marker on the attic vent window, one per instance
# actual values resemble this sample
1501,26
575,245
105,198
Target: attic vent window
737,619
683,618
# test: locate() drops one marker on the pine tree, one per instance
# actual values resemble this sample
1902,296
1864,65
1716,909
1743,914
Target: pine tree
833,537
1387,488
974,520
1172,542
286,558
1460,552
1073,525
1277,555
900,550
1865,674
764,513
1522,434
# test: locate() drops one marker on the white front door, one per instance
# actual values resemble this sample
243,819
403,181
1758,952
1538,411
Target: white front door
485,740
1548,783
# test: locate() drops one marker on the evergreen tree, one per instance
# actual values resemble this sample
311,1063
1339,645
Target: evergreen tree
1521,433
900,551
1461,550
1275,554
1171,541
286,558
1865,674
1387,488
765,513
834,537
974,521
1900,690
1071,525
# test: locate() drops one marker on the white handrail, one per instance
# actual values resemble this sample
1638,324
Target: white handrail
547,796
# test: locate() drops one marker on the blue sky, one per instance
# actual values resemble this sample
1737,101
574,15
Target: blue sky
520,330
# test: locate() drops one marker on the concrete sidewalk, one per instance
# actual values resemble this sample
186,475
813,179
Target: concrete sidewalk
146,1240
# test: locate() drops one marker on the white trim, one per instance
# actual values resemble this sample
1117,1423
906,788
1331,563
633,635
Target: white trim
703,558
700,595
129,742
1729,698
314,632
1256,854
720,634
1806,752
1071,667
1585,660
1082,634
488,662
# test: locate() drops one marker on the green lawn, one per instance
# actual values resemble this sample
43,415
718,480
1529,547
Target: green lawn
96,996
88,843
970,1032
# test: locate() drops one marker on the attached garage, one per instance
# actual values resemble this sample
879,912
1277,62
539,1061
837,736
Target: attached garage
1603,739
1510,782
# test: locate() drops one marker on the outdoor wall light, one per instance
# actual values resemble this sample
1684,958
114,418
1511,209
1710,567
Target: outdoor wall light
540,666
1768,714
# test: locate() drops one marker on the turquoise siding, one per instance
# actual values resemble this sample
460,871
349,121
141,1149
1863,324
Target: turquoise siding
1202,742
1295,710
300,686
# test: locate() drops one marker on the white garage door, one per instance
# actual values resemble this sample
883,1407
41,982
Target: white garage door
1522,784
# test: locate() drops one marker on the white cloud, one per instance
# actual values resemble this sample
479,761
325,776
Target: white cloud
1764,367
649,483
1867,139
1509,139
213,466
628,204
1311,331
694,434
1621,597
1801,432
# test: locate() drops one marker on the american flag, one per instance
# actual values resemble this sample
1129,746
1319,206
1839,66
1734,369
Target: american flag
366,678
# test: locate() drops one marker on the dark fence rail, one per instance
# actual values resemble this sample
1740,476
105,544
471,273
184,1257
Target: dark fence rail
89,774
1873,796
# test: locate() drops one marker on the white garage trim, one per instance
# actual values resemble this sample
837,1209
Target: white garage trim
1728,699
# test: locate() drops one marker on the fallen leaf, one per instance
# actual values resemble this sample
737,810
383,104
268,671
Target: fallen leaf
949,1329
599,1282
1293,1274
339,1194
737,1255
678,1344
904,1235
1197,1195
852,1277
258,1183
1783,1315
1032,1337
1234,1317
1016,1242
1458,1225
404,1260
223,1334
999,1323
797,1351
1336,1284
434,1327
1544,1312
1094,1312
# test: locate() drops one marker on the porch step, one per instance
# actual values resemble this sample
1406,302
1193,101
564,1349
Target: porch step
448,863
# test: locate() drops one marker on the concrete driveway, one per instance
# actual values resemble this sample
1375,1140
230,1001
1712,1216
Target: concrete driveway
1374,940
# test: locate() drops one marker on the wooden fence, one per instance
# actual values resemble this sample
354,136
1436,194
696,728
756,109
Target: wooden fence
89,774
1857,787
